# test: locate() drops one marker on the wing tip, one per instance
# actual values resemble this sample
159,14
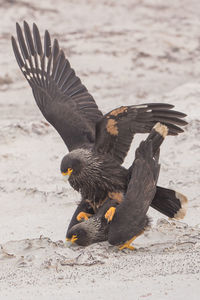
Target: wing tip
161,129
25,23
161,105
13,39
18,27
35,28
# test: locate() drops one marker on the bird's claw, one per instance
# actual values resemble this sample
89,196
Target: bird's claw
110,213
83,215
127,245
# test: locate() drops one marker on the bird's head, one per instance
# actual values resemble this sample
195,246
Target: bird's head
87,232
70,165
79,235
74,162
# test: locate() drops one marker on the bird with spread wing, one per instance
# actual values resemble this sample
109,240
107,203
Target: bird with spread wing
97,143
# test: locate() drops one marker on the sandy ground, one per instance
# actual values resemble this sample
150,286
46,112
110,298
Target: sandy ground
126,52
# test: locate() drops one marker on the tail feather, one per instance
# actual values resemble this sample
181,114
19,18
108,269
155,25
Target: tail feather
170,203
184,203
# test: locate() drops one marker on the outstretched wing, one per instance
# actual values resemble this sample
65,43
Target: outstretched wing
115,131
62,98
130,217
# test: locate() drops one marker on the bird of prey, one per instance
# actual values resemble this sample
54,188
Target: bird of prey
121,223
97,143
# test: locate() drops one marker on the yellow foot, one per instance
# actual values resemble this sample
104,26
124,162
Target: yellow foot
127,244
83,215
73,239
110,213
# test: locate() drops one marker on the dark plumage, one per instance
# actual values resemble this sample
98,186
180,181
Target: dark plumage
93,230
98,144
130,218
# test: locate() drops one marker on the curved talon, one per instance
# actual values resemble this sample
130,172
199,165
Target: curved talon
110,213
127,244
83,215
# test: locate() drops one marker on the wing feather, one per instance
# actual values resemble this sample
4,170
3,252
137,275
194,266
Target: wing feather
59,93
115,131
130,216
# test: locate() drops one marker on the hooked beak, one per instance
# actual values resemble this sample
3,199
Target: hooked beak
67,174
73,239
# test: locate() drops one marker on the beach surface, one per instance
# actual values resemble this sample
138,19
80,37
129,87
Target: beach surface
125,52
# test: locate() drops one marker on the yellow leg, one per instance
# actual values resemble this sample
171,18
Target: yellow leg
110,213
127,244
83,215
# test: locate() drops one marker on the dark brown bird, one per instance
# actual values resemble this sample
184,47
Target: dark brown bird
98,144
128,219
